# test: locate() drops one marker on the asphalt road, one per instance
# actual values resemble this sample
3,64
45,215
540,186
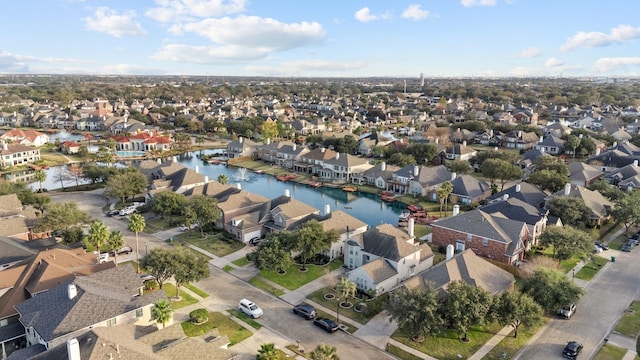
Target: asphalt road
229,290
607,296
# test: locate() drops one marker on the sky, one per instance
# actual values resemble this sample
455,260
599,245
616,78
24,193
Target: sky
328,38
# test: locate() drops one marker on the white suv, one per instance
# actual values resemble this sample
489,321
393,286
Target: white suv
250,309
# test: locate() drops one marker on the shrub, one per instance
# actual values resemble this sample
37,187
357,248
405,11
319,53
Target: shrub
198,316
150,285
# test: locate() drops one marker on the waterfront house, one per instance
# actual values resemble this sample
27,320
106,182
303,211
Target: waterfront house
27,137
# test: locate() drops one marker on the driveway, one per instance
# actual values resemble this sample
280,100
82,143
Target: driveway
607,296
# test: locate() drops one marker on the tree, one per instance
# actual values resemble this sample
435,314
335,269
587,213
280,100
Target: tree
136,225
324,352
40,176
422,153
443,194
168,203
607,190
98,236
416,311
310,239
571,210
60,216
223,179
114,243
104,155
460,167
516,309
126,184
162,312
159,262
501,170
548,180
83,151
271,253
75,170
401,159
466,306
189,267
268,352
346,289
548,162
205,210
60,175
627,209
573,142
567,242
269,130
552,289
92,172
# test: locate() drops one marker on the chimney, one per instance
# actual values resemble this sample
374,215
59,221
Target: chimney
635,163
287,193
322,149
5,147
454,175
450,252
73,349
437,141
295,147
240,139
327,209
517,187
567,189
337,155
383,166
456,209
159,160
72,291
464,143
268,141
519,133
197,169
206,179
175,159
411,228
597,151
416,170
239,186
505,197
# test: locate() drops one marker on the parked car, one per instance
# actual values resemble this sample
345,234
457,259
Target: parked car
250,309
128,211
306,311
567,311
125,250
254,241
572,350
327,325
102,258
183,227
147,277
113,212
634,242
602,246
627,247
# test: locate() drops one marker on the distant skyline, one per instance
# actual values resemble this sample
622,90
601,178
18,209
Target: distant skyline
352,38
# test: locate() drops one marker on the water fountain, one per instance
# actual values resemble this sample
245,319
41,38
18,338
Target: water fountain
241,175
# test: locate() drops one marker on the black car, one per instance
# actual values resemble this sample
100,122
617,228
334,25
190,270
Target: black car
572,350
113,212
627,247
327,325
254,241
306,311
602,246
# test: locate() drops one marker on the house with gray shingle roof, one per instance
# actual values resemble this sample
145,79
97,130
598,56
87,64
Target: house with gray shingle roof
241,148
490,235
378,176
536,218
600,206
170,176
103,299
584,174
382,257
551,144
429,181
626,177
282,153
469,190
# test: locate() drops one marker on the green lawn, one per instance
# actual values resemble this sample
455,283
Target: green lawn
294,278
228,268
590,269
610,352
219,244
630,323
196,290
155,224
375,306
257,282
448,346
234,331
186,300
401,354
241,261
567,264
510,345
254,324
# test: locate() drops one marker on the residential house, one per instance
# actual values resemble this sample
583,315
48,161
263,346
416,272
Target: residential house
383,257
283,153
468,190
522,191
400,179
584,174
467,267
519,140
535,217
72,308
18,154
241,148
551,145
429,180
32,275
379,175
16,220
69,147
489,235
170,176
458,152
626,178
617,156
27,137
599,205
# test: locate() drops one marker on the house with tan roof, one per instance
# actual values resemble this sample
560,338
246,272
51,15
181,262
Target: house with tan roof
282,153
429,180
18,154
17,221
379,176
382,257
241,148
600,206
170,176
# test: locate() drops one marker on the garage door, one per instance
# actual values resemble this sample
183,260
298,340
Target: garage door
251,235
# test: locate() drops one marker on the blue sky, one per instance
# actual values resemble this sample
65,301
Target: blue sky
329,38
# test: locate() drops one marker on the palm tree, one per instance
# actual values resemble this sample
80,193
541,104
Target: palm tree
162,312
267,352
223,179
346,289
443,195
136,225
324,352
98,236
115,242
40,176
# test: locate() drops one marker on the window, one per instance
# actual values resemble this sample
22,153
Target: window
469,237
460,246
139,313
485,242
111,322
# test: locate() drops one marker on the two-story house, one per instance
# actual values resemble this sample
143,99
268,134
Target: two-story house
283,153
18,154
378,176
241,148
429,181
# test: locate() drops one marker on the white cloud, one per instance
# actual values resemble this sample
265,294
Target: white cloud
604,65
469,3
530,53
619,34
256,32
111,22
230,54
179,10
364,15
306,67
521,71
415,12
553,63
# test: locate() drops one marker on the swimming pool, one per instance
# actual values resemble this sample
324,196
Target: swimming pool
129,153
